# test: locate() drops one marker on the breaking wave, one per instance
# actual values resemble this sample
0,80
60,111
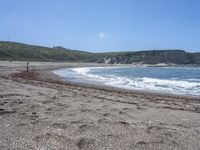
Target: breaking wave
171,85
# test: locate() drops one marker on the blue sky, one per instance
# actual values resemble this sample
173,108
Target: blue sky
103,25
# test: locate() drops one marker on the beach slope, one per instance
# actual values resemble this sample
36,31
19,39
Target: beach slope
40,111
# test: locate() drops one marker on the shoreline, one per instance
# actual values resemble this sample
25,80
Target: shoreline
40,111
142,91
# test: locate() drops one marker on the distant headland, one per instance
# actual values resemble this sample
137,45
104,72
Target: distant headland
14,51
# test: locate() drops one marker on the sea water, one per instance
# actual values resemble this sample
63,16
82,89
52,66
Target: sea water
173,80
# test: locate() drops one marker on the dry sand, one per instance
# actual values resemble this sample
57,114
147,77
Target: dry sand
40,111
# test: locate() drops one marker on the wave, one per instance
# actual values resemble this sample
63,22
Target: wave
82,71
152,84
175,86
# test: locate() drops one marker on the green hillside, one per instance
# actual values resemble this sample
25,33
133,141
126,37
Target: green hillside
23,52
19,51
152,57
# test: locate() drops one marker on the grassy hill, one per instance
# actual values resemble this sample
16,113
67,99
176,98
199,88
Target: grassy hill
19,51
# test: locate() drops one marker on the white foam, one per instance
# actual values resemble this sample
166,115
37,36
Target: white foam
159,85
82,71
175,83
61,72
175,86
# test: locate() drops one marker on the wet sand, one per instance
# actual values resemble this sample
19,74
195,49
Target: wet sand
38,110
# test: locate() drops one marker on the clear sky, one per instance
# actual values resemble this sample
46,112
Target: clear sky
103,25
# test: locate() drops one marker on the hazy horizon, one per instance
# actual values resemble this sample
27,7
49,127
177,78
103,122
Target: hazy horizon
103,26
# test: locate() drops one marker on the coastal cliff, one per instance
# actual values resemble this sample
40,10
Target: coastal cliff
23,52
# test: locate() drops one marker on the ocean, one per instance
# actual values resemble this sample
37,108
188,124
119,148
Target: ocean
172,80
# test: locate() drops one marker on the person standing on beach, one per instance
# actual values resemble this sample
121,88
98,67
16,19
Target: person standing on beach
27,66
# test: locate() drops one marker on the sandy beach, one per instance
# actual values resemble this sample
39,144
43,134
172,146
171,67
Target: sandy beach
38,110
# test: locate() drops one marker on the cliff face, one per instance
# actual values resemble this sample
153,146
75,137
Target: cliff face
19,51
154,57
193,58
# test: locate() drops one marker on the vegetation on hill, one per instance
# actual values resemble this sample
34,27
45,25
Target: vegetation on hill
18,51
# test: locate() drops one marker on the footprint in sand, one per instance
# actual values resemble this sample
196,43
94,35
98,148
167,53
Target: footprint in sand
85,127
4,111
103,120
106,114
87,144
59,125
